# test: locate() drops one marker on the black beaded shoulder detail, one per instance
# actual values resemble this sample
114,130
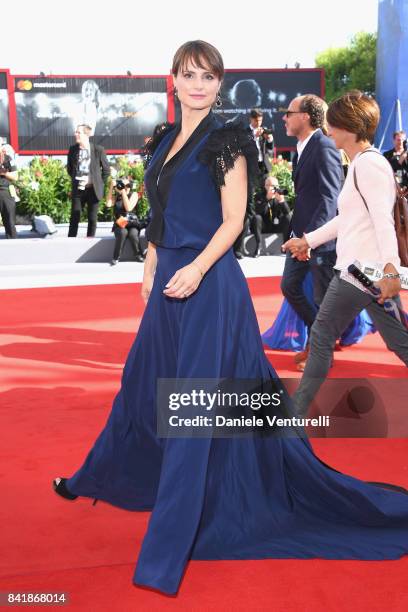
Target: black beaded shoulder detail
223,147
150,147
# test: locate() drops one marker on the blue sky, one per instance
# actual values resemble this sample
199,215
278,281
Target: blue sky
99,38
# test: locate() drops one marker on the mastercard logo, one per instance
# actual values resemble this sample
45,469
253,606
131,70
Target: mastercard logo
25,85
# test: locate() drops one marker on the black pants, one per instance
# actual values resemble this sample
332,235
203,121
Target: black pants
123,233
252,221
341,304
321,266
80,198
254,224
8,213
263,173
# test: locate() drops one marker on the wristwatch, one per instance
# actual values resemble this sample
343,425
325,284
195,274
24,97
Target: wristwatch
390,275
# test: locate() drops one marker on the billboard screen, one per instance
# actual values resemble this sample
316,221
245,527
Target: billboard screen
269,90
121,111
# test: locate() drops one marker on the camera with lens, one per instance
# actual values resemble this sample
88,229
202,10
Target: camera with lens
120,185
5,166
279,191
267,133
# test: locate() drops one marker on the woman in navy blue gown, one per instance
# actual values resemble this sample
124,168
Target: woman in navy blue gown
289,332
227,498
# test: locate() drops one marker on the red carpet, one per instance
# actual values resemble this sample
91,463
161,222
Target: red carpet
61,354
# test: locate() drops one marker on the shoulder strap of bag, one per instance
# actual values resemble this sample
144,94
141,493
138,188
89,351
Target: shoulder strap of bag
397,185
355,178
400,217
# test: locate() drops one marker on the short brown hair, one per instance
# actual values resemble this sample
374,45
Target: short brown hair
256,113
355,112
399,133
316,108
201,54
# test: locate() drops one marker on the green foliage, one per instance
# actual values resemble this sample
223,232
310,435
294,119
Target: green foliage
351,67
43,188
125,167
282,169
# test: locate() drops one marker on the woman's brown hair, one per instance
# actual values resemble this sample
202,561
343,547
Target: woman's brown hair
355,112
201,54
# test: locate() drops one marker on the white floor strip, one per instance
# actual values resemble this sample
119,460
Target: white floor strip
68,275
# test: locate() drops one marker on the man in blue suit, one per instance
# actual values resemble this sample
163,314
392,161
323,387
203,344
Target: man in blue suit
318,177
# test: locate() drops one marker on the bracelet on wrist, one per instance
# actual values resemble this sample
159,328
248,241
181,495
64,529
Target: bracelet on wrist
198,268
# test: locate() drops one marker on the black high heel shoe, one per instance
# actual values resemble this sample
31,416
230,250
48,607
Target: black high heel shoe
62,490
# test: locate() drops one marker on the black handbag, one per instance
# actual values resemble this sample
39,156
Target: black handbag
132,220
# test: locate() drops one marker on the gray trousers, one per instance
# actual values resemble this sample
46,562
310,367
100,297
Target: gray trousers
341,304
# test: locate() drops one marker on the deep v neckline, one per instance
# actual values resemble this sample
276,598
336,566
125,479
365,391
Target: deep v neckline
201,127
167,159
166,170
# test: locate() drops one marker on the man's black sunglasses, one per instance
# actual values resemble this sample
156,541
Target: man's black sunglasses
288,113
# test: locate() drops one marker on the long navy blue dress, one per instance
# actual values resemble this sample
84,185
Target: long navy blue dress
289,332
235,498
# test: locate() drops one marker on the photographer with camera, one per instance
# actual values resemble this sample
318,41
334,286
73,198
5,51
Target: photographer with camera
273,210
398,157
8,175
263,140
127,224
